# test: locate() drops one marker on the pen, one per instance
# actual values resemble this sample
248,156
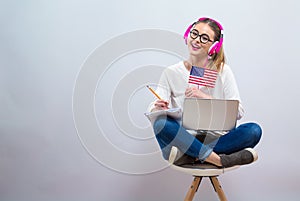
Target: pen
154,92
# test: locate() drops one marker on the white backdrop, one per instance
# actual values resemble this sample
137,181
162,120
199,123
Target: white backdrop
44,48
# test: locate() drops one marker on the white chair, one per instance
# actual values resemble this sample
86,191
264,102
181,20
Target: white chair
205,116
200,171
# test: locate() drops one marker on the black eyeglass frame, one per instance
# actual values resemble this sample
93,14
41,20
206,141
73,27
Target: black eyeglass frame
200,36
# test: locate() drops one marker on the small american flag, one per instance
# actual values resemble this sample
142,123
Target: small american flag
203,77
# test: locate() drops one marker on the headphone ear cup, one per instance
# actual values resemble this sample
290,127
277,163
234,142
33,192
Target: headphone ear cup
220,44
213,48
187,32
185,39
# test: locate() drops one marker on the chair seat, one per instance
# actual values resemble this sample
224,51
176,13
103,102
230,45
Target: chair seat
197,169
204,170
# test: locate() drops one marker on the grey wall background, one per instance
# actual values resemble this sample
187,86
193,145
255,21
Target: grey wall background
43,47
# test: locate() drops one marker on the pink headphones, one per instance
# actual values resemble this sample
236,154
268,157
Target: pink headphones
216,46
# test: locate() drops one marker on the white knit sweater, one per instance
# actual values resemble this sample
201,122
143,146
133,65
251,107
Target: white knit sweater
174,81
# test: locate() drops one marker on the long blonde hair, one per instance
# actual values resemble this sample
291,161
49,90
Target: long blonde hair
217,60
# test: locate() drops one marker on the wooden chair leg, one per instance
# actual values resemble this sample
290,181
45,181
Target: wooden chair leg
193,189
217,186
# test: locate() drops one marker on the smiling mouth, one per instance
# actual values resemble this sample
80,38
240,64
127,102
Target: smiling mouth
195,46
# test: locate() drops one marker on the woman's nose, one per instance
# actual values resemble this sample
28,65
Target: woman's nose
198,39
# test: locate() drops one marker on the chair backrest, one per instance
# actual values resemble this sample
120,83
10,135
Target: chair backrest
209,114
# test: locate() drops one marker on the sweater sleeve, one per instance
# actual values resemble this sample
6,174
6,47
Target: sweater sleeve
231,91
163,89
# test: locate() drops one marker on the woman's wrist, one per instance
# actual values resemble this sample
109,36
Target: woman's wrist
208,96
204,95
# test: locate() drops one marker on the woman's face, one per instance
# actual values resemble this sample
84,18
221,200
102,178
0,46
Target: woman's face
195,46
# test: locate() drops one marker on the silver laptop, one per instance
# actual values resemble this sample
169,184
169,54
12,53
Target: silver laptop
209,114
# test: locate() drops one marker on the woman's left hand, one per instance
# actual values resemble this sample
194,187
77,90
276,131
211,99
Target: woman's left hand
193,92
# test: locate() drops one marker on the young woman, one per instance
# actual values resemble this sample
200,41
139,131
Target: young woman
204,40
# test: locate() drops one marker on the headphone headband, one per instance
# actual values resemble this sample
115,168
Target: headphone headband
207,18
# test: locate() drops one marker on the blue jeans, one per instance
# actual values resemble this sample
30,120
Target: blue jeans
169,132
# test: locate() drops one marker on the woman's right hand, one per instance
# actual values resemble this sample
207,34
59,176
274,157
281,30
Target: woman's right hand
161,105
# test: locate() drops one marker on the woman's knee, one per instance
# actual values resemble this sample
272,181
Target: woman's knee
164,124
159,125
255,131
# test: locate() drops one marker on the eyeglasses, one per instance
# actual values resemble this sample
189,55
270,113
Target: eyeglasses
204,38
